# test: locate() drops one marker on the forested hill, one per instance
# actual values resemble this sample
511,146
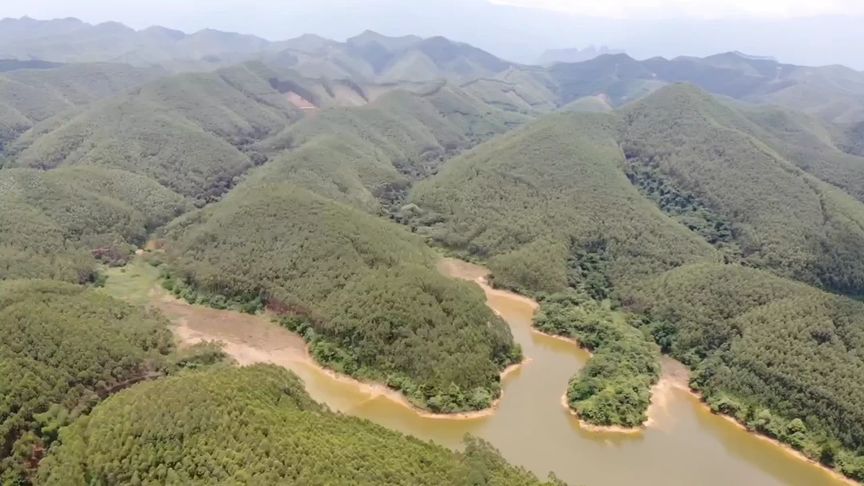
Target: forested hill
310,177
531,200
183,141
369,156
62,349
30,95
58,224
680,161
191,133
680,142
254,425
363,291
833,93
674,208
783,358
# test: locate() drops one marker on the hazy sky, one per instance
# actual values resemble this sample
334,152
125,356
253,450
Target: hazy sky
798,31
208,11
706,9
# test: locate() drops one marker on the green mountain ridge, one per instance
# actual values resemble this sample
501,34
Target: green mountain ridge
628,205
152,130
56,224
352,284
308,177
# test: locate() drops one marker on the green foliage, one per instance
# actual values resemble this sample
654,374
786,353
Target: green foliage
587,269
774,353
809,144
368,156
190,133
29,96
551,207
530,201
57,224
435,335
253,425
365,286
62,349
683,206
197,356
614,387
780,217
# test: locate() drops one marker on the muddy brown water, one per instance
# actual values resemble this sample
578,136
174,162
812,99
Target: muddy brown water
684,444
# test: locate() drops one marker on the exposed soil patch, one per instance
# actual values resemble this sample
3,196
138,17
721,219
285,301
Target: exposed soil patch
300,102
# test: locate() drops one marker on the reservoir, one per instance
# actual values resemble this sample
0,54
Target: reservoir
684,445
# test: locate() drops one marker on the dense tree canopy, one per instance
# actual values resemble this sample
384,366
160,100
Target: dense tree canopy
364,286
629,205
62,349
253,425
190,133
712,221
768,351
614,386
781,218
368,156
32,94
533,201
54,223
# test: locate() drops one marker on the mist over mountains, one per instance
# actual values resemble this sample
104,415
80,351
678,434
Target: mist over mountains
518,34
708,205
832,92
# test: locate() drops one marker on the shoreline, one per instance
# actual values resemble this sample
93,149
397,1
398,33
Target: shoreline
376,390
660,395
610,429
246,354
565,403
674,376
786,448
483,282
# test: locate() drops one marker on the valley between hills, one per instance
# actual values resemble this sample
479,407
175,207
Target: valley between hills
227,267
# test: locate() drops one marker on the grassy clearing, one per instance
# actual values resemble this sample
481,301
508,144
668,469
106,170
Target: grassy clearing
132,283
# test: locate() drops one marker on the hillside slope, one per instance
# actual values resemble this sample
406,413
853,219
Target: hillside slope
833,93
536,201
57,224
190,132
29,96
812,145
363,291
62,350
680,140
698,160
657,205
368,156
783,358
255,425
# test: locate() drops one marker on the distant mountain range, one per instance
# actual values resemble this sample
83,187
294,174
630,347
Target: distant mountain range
324,71
552,56
718,199
368,56
71,40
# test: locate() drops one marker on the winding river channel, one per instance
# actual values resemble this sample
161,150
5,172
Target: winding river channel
684,444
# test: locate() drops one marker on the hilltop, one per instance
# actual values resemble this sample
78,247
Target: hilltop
710,208
674,209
